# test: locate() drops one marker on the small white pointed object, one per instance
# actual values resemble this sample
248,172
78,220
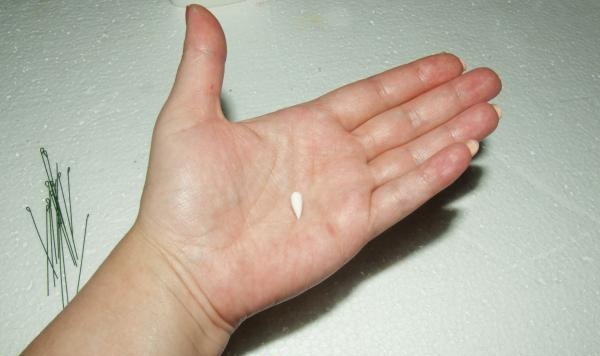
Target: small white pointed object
296,200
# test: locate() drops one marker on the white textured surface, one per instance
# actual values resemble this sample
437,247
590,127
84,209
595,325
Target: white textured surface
505,263
209,3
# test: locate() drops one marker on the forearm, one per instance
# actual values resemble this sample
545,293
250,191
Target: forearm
134,305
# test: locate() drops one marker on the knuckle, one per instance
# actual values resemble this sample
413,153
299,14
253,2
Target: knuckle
380,88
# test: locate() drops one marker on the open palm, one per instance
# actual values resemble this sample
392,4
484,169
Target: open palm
217,195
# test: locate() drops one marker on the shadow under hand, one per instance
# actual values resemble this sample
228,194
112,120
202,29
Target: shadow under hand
408,236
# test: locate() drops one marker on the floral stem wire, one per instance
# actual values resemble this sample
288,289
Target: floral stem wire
50,236
82,249
59,231
69,216
70,205
60,266
60,218
48,259
39,236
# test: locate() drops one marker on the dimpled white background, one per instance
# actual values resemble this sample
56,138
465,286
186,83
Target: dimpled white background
506,262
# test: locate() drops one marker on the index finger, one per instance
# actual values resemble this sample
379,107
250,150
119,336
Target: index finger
355,103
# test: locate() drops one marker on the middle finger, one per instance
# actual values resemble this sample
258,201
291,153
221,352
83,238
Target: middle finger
406,122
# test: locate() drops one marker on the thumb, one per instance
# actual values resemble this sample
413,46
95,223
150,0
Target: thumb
200,75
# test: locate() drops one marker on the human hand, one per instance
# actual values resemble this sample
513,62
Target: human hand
216,239
216,203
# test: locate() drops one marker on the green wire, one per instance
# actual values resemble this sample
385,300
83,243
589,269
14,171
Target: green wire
59,231
69,220
82,249
39,236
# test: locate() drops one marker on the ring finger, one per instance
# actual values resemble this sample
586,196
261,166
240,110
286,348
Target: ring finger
475,123
406,122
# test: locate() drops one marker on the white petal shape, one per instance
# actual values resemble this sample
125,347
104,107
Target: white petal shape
296,200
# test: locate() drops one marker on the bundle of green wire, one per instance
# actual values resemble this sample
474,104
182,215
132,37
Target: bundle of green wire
59,232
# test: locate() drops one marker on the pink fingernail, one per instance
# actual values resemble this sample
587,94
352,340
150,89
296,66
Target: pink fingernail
498,110
473,147
463,64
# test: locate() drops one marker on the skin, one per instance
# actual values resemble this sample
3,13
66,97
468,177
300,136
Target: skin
216,239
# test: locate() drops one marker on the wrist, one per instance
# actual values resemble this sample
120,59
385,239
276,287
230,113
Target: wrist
196,320
135,304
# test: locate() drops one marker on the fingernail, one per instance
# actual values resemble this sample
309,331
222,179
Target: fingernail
498,110
463,64
473,147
